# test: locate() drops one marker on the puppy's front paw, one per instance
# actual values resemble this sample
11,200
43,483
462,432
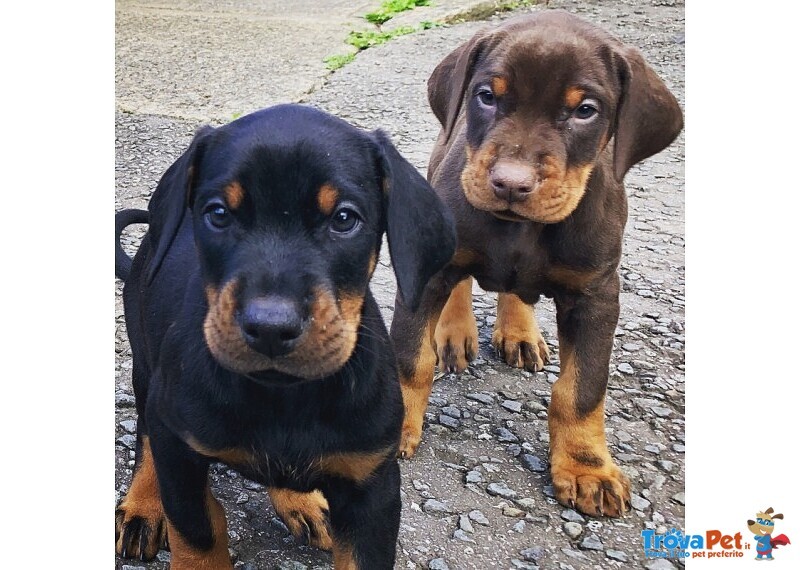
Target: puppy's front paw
409,441
516,337
140,529
456,334
305,514
601,490
456,343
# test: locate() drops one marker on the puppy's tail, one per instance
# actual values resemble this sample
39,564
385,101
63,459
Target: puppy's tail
123,219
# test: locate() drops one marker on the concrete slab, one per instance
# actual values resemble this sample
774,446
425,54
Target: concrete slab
210,61
207,61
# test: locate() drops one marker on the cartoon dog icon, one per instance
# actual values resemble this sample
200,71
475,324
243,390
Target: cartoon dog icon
762,528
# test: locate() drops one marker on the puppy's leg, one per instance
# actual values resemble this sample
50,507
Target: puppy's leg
584,474
365,518
198,533
456,332
412,335
516,337
140,529
140,526
306,514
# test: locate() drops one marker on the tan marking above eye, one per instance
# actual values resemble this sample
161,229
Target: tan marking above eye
499,86
573,97
234,195
326,199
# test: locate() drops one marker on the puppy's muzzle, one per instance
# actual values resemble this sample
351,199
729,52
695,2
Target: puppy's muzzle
272,325
512,182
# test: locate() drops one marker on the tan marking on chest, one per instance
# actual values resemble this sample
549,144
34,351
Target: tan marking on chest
354,466
230,455
573,279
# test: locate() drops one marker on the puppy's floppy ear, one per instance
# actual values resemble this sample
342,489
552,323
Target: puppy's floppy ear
648,115
420,228
170,201
449,81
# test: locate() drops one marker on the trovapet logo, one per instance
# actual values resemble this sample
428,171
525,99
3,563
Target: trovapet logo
717,544
675,544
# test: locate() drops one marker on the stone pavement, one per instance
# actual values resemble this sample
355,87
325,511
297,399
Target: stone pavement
477,494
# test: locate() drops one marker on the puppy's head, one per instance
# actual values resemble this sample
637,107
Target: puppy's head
764,523
543,95
288,207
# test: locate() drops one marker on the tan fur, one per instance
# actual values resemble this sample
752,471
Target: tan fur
464,257
326,199
186,557
499,86
357,467
516,324
324,347
573,279
554,197
234,195
300,510
416,390
599,486
143,500
230,456
343,558
457,327
573,97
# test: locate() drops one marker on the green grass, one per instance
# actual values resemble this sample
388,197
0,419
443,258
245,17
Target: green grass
389,8
362,40
369,38
334,62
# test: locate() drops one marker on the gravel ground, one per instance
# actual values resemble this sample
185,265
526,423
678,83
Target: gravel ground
477,494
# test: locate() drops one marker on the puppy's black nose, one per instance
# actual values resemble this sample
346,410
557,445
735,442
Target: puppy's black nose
512,182
271,325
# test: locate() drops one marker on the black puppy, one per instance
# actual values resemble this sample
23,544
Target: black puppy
256,341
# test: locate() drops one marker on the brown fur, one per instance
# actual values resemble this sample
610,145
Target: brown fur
536,190
573,279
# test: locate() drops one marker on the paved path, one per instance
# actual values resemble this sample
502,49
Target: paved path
385,87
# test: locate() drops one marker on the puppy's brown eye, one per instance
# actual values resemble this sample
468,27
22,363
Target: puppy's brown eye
585,111
218,216
486,98
345,221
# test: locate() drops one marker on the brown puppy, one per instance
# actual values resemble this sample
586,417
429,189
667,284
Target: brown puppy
541,119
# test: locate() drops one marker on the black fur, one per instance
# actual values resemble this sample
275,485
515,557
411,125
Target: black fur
277,244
